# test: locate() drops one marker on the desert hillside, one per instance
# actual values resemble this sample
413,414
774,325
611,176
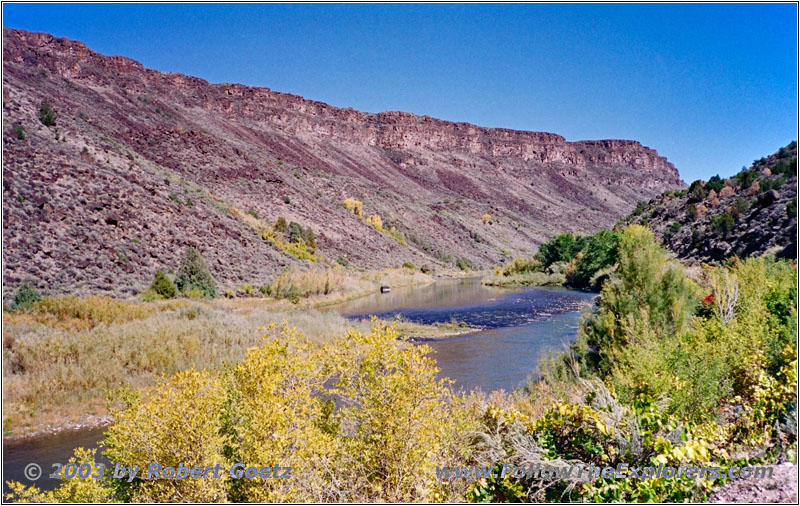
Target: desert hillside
126,167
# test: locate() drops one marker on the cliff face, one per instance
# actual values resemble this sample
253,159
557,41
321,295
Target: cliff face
141,164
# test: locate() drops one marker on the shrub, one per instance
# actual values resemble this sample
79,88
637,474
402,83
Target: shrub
252,213
409,265
280,226
163,286
723,223
287,200
20,132
25,297
265,290
772,183
311,241
486,218
194,274
650,298
746,177
640,207
342,261
295,232
425,269
376,222
739,207
791,208
47,115
354,206
174,197
715,183
672,230
464,264
697,192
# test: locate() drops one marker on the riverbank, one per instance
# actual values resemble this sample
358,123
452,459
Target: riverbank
59,365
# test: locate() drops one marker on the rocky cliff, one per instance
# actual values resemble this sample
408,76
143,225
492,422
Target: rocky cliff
141,164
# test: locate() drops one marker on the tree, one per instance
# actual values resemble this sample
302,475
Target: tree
194,274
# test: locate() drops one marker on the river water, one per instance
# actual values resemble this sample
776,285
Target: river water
519,328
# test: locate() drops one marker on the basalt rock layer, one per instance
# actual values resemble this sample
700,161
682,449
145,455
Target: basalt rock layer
141,164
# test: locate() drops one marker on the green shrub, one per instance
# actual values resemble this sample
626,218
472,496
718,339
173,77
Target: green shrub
697,191
772,183
791,208
464,264
715,183
194,275
20,132
640,207
409,265
739,207
646,283
47,115
174,197
746,177
25,297
252,213
163,286
287,200
296,233
723,223
672,230
342,261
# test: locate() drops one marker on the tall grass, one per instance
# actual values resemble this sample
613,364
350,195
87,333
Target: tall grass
49,367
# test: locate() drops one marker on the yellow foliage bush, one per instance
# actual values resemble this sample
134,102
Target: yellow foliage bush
354,206
391,423
376,222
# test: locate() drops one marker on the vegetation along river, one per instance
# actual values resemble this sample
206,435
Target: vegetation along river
519,327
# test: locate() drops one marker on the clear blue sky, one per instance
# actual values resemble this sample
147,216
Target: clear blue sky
712,87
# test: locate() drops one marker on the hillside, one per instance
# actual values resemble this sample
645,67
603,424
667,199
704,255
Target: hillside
137,165
749,214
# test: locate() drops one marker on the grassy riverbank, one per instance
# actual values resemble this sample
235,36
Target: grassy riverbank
62,356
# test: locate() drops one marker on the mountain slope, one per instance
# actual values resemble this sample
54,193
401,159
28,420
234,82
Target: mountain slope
141,164
750,214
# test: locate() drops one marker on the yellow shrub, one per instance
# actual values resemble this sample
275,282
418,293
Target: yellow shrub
354,206
393,421
376,222
486,218
179,423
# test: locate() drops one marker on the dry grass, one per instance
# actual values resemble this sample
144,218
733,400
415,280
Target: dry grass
52,368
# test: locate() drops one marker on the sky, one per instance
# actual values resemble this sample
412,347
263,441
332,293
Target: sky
712,87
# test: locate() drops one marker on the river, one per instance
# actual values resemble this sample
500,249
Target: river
520,326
